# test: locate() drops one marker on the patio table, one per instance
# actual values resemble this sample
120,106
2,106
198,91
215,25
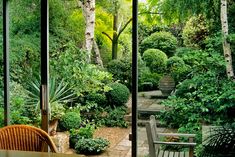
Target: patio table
14,153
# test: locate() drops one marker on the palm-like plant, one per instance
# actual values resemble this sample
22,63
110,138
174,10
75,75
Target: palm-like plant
220,142
59,94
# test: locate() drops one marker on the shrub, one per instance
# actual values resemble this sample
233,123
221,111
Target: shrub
99,99
121,70
119,94
163,41
177,68
71,120
115,117
195,32
18,110
91,146
155,59
83,132
181,51
148,80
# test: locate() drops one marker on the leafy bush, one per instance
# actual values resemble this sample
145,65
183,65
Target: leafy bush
83,132
195,32
148,80
83,77
71,120
57,110
205,97
115,117
181,51
91,146
98,98
19,96
163,41
119,94
155,59
121,70
177,68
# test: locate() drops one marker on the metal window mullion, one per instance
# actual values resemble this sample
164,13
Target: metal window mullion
134,75
44,97
6,62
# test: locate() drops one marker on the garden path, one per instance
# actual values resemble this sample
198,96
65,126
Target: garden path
120,146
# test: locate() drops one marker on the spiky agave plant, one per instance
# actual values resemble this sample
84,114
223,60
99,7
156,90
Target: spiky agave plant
220,142
59,94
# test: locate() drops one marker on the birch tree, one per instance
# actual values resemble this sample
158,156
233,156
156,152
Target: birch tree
88,10
226,44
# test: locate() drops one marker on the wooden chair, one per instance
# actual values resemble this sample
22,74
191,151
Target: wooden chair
154,141
25,138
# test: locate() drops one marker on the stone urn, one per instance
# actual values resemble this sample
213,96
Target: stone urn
166,85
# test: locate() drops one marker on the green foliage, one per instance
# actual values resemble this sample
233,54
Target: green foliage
195,32
82,77
205,97
177,68
201,61
163,41
91,146
18,112
119,94
148,80
83,132
121,70
57,110
178,11
71,120
155,59
98,98
60,94
114,117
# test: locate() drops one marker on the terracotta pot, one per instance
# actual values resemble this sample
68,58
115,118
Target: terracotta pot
166,85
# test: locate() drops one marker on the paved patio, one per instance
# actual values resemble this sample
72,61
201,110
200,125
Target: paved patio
147,101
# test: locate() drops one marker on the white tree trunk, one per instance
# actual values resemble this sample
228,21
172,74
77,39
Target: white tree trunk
88,7
98,59
226,44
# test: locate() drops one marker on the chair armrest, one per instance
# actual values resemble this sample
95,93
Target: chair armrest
177,134
175,143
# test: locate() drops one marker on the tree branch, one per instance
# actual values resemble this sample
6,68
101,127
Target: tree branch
124,27
107,35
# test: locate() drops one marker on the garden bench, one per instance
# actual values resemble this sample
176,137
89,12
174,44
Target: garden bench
154,141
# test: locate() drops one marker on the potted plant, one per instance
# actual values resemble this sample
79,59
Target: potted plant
60,94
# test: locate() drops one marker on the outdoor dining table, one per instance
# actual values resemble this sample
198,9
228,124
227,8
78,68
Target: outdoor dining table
14,153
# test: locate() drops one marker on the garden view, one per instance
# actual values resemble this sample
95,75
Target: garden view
190,43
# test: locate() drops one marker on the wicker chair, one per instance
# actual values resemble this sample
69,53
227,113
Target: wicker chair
25,138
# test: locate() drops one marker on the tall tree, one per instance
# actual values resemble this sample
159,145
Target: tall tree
120,21
88,8
226,44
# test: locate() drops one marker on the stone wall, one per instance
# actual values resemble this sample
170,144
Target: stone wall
61,141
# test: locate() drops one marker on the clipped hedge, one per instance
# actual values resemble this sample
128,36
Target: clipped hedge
155,59
164,41
119,94
71,120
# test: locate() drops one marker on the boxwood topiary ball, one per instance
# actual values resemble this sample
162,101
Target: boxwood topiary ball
71,120
119,94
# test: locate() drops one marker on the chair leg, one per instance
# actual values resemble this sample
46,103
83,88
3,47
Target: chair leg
191,147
